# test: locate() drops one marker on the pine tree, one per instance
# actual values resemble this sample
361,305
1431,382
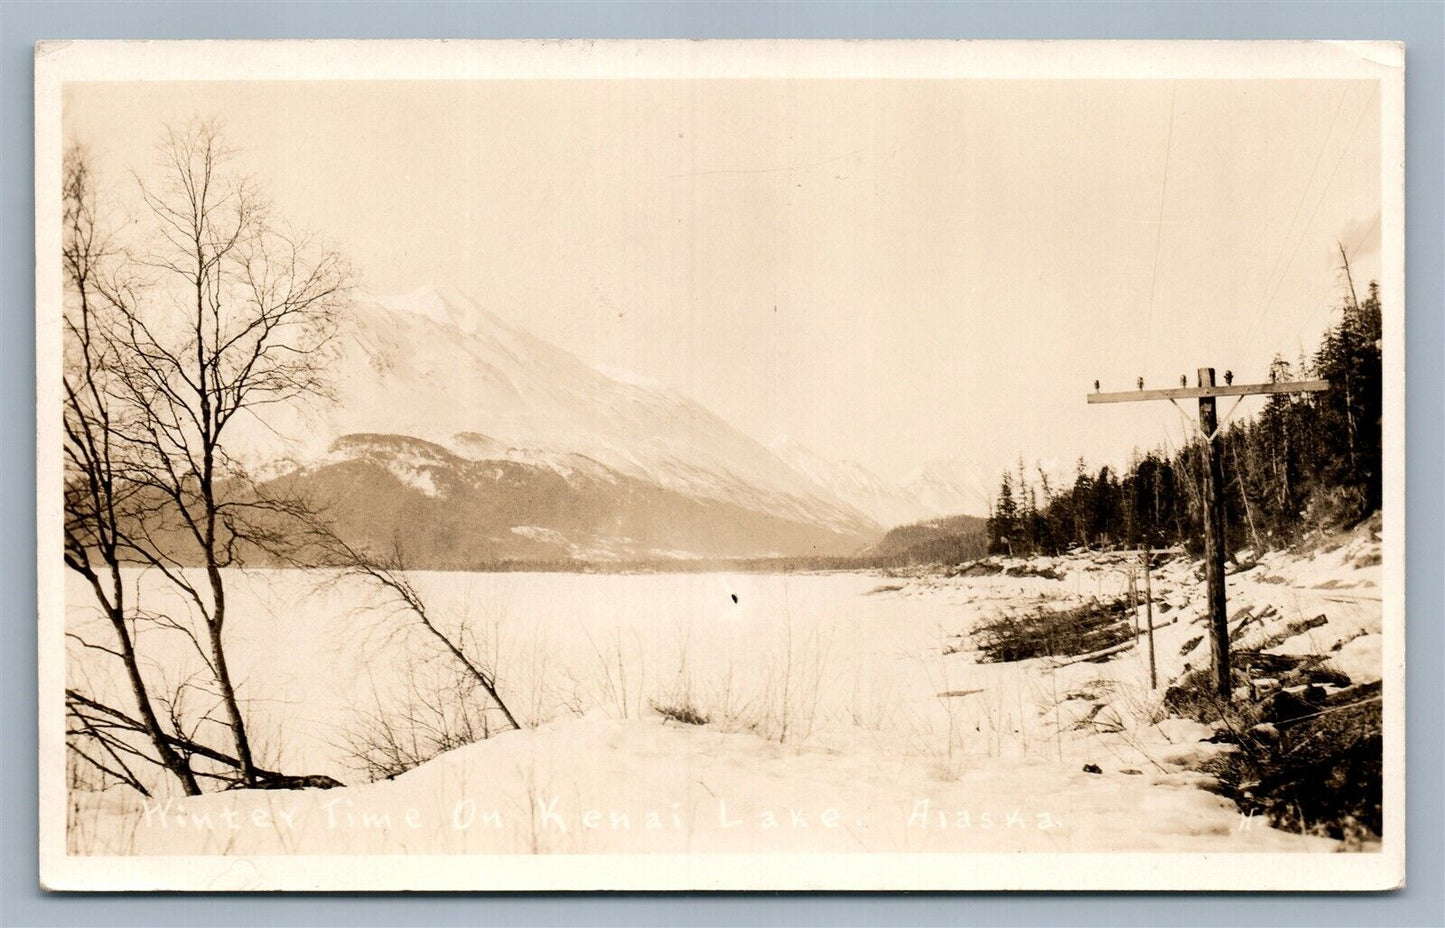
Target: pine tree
1003,524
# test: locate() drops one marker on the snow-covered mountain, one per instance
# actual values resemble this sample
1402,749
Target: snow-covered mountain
950,486
945,487
853,483
438,367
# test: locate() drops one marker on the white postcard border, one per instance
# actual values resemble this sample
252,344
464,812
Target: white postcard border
58,63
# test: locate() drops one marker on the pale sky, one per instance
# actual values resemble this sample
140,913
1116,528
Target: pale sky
888,271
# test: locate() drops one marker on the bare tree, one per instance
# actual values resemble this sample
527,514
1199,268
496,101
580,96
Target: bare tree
226,313
96,494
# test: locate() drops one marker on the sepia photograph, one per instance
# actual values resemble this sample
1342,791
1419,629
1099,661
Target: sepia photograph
721,465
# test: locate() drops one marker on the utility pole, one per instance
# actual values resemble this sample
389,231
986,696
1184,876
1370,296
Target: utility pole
1149,616
1209,427
1214,537
1134,601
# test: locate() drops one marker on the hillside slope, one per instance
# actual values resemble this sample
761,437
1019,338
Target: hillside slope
948,541
444,511
479,441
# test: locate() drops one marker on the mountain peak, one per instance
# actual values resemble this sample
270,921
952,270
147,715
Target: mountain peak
951,485
445,305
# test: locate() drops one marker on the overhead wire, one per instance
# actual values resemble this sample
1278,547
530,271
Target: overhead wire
1324,192
1261,303
1299,242
1159,225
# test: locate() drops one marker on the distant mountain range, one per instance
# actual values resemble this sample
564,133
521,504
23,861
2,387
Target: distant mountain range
944,486
466,441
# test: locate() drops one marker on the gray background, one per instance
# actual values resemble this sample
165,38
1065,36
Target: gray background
1420,24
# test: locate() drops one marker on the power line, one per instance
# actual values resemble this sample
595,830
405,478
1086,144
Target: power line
1324,194
1284,240
1159,223
1364,236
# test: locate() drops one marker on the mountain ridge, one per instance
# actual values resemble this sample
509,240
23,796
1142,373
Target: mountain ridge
444,408
441,511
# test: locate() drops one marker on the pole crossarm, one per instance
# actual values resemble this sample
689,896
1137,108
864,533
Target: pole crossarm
1189,393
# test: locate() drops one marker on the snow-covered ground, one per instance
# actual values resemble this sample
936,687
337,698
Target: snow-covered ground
846,712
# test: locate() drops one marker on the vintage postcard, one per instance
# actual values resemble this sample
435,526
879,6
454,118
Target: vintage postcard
721,465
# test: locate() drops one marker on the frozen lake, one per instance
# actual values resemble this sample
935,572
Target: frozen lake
852,692
794,657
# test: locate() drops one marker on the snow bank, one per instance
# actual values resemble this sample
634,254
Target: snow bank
607,785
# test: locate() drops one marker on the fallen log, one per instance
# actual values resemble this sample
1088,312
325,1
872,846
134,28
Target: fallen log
1298,627
983,566
1247,617
1079,629
1096,655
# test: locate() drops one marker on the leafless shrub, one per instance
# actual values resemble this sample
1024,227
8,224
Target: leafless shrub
439,708
620,691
